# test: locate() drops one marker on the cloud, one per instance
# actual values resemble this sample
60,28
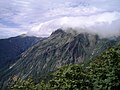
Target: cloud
67,11
25,12
38,17
105,24
10,32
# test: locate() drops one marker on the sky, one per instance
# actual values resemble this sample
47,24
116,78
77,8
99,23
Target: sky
42,17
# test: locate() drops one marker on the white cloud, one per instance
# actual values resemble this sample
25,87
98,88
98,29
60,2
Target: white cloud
72,11
99,23
41,17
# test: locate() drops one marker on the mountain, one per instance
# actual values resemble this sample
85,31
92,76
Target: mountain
11,48
59,49
101,73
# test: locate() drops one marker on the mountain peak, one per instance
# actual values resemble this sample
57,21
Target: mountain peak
23,35
58,31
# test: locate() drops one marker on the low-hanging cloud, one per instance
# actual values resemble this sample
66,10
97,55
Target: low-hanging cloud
106,24
42,17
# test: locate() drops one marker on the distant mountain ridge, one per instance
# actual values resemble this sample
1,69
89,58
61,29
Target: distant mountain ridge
11,48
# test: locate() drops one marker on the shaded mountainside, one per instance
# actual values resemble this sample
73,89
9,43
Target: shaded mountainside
59,49
11,48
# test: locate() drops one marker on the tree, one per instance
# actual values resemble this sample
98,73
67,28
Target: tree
23,85
103,73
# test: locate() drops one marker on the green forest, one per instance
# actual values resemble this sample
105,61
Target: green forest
102,73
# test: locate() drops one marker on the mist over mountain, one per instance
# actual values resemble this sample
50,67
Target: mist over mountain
41,18
104,24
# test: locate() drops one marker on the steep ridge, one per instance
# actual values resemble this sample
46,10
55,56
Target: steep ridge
11,48
59,49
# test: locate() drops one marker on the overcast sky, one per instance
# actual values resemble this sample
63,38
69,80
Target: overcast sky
41,17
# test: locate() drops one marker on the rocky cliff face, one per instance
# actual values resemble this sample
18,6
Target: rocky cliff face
59,49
